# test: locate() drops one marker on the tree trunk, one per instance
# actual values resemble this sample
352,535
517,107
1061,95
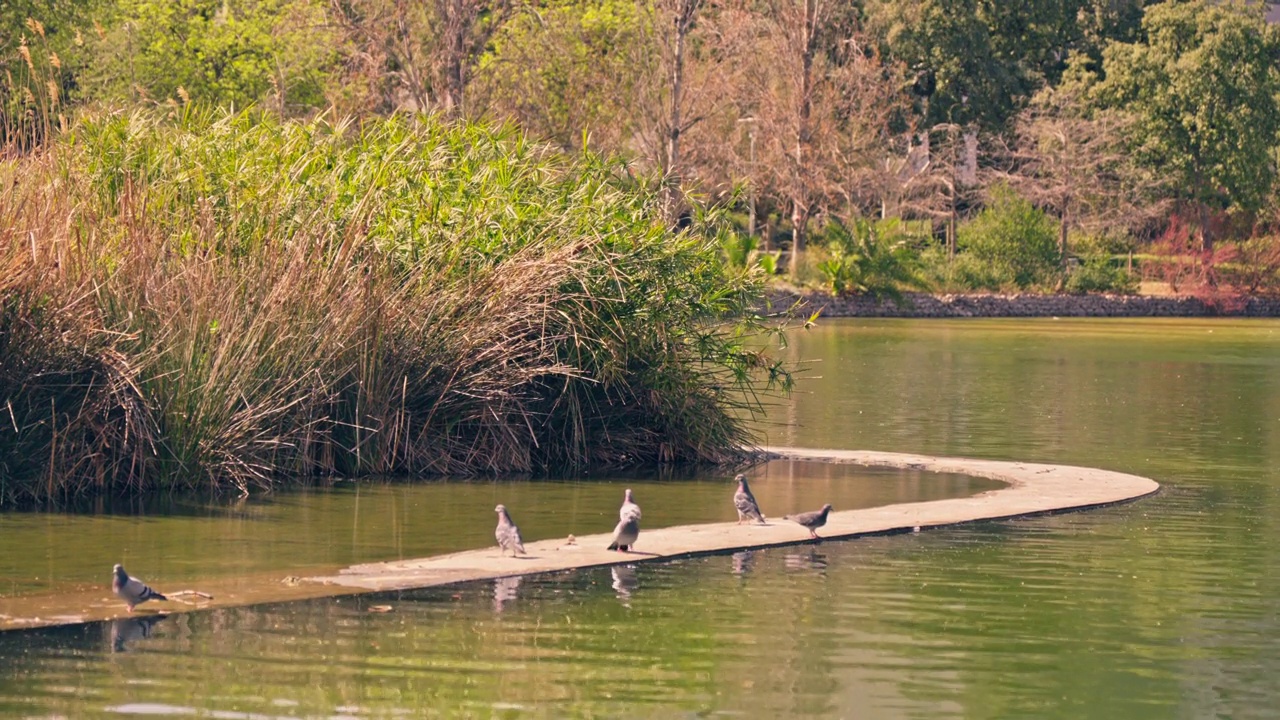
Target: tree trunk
799,219
458,18
951,234
1206,233
804,110
1062,252
1063,222
685,11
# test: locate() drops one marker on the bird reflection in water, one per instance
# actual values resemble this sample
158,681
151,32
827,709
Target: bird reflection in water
806,560
505,590
743,561
625,582
126,631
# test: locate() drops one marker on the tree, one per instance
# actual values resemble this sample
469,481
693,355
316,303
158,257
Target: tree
275,52
1074,163
1012,237
691,72
1202,90
427,50
682,14
977,62
568,72
795,34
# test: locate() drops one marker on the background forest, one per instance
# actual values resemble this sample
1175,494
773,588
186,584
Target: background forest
904,144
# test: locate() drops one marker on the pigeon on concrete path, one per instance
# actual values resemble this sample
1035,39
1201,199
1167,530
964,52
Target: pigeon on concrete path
745,502
629,507
507,534
812,520
132,590
625,534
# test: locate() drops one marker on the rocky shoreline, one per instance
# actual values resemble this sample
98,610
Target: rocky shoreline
924,305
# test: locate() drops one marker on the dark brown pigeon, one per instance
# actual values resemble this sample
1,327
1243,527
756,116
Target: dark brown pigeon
812,520
132,590
507,534
745,502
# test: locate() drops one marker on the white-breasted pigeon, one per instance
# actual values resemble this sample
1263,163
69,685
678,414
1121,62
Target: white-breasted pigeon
507,534
132,590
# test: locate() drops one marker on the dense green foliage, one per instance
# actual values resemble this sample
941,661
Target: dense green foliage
869,258
1014,239
275,52
238,300
1203,85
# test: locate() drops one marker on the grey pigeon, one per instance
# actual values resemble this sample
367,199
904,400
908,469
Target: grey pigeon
625,534
812,520
132,590
745,502
629,507
507,534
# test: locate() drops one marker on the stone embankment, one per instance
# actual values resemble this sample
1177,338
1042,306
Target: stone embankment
923,305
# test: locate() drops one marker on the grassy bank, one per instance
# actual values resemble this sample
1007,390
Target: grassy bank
233,301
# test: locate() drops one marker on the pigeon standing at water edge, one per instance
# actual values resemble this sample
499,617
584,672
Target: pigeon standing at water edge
745,502
811,520
625,534
628,528
130,589
507,534
629,507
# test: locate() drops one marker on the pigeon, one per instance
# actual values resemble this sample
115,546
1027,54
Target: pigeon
812,520
745,502
132,590
629,507
507,534
625,534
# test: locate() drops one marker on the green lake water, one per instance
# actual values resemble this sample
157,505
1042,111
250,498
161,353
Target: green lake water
1164,608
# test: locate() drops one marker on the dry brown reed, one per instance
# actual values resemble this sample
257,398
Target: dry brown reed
187,308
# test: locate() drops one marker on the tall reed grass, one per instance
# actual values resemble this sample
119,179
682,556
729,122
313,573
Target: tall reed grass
220,300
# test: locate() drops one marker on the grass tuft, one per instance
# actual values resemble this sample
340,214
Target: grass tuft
230,301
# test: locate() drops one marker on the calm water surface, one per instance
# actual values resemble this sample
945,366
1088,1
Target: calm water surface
1165,608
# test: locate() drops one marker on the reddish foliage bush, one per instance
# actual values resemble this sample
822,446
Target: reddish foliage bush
1223,278
1254,267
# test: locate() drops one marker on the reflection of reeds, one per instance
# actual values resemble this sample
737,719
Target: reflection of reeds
232,300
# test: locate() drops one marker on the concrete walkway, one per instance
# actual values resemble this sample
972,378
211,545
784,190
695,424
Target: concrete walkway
1033,489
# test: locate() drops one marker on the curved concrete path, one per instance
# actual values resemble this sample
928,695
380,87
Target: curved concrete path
1033,489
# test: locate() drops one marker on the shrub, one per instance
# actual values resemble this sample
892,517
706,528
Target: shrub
1014,238
963,273
231,301
1252,266
866,260
1223,277
1099,273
